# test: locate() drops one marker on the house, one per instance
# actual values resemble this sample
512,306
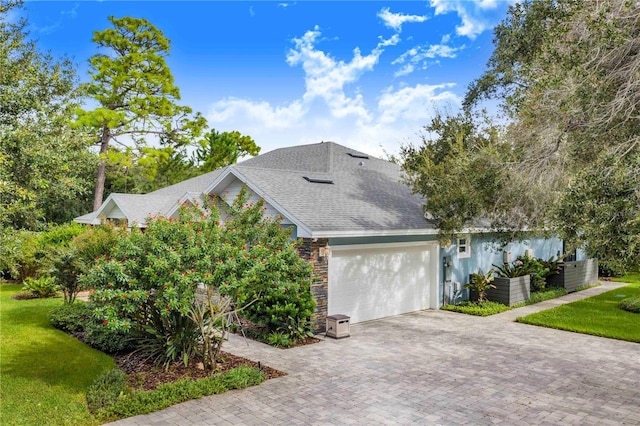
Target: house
374,253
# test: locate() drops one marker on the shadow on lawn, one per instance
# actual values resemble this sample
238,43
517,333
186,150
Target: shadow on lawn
36,351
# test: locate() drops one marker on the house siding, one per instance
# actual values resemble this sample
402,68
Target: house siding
485,253
310,250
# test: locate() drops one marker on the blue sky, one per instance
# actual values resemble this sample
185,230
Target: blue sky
366,74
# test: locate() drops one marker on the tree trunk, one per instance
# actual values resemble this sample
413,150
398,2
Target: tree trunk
102,168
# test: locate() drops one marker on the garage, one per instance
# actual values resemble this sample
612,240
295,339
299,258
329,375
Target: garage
370,281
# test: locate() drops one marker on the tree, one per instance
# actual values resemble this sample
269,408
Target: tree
136,93
149,283
222,149
460,171
44,164
565,74
148,169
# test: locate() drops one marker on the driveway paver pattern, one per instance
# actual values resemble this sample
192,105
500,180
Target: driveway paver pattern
434,367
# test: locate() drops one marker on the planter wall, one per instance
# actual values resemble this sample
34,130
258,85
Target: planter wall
574,275
510,291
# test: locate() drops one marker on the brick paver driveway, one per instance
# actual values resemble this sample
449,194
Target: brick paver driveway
433,367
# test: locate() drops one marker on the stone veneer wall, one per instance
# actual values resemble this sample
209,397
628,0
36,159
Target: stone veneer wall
309,250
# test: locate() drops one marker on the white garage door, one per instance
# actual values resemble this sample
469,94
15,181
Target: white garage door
376,281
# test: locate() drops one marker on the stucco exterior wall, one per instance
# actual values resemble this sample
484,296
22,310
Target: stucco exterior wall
484,254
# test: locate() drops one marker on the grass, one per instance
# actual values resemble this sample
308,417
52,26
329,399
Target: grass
541,296
481,309
125,403
45,372
598,315
491,308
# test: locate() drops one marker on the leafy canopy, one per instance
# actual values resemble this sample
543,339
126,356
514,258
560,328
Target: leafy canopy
135,91
45,166
148,285
565,75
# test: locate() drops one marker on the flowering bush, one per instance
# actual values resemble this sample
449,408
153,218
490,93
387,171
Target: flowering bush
148,284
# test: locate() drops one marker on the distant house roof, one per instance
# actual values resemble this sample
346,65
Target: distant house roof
326,189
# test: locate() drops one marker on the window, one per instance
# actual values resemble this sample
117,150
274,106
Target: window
464,247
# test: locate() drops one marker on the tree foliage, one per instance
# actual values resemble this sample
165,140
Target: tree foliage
148,284
566,76
217,149
45,166
135,90
460,171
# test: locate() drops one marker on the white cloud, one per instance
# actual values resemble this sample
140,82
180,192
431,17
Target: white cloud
326,77
405,70
73,12
420,56
488,4
470,13
332,108
396,20
413,103
395,39
260,112
251,11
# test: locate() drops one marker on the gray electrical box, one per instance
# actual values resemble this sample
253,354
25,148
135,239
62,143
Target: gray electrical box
338,326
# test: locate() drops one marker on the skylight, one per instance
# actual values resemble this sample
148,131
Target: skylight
356,155
317,180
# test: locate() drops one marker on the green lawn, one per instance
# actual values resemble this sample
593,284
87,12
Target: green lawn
44,373
598,315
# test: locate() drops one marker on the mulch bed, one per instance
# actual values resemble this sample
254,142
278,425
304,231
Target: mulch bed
144,374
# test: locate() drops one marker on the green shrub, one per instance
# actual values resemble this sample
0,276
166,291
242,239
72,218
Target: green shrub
25,254
21,256
538,269
42,287
95,242
279,340
170,338
71,318
148,282
631,304
106,389
242,377
66,269
480,283
60,235
549,293
610,269
481,309
511,270
108,340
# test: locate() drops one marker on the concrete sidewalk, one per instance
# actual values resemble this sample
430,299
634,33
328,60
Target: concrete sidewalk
434,367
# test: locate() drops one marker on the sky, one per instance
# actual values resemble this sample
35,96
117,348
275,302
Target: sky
365,74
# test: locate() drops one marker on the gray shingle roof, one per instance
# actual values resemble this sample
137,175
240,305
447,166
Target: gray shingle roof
367,194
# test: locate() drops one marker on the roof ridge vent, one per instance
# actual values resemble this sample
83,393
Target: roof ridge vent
356,155
317,180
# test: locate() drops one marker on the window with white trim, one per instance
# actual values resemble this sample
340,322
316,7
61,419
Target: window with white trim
464,247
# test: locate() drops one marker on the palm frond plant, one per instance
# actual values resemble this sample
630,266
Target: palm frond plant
480,283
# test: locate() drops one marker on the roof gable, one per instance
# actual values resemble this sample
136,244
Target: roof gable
366,194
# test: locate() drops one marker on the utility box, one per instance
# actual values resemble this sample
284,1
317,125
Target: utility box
338,326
